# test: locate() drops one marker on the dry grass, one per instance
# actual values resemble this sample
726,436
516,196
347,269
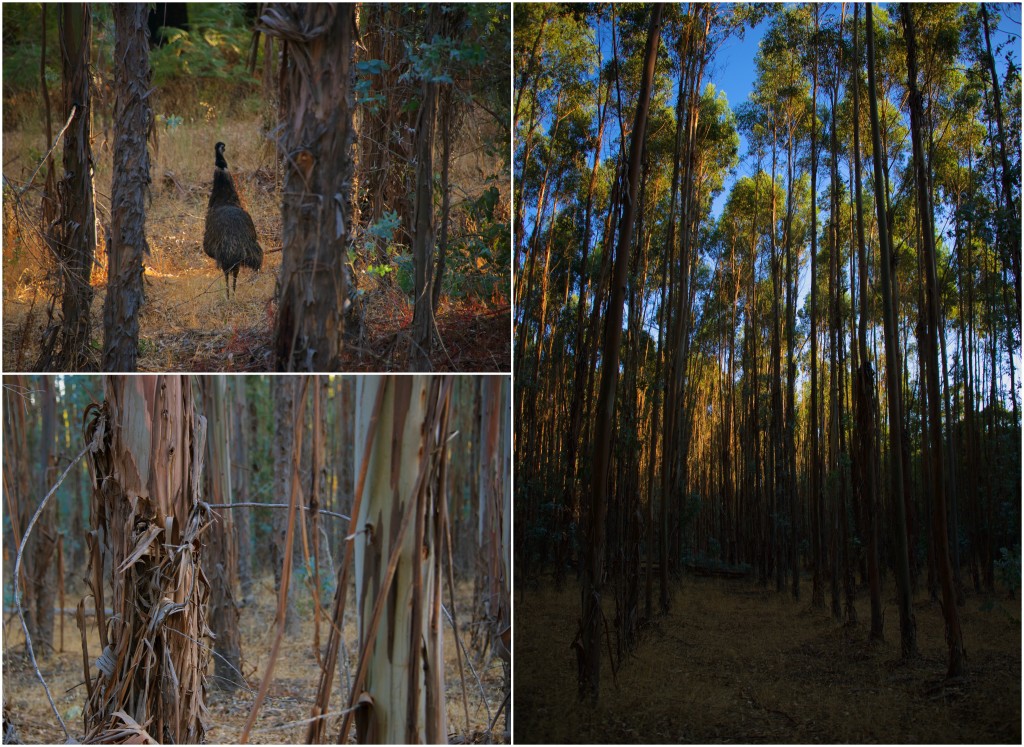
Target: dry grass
291,694
187,323
736,663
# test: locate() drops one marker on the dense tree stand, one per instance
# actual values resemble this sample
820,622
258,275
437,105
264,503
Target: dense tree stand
772,310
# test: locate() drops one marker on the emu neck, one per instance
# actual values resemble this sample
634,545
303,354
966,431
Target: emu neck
223,192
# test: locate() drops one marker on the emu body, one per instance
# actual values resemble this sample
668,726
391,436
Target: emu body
229,236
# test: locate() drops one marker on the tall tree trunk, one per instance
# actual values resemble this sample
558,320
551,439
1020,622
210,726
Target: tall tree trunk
818,589
864,382
316,207
66,346
285,408
954,636
789,454
570,489
16,477
43,543
240,462
133,118
908,626
593,572
1012,212
146,464
494,524
423,223
398,689
222,557
450,116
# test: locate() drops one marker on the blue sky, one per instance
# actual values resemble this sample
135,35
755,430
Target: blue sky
733,72
733,69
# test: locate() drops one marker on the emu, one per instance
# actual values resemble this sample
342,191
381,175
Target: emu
229,236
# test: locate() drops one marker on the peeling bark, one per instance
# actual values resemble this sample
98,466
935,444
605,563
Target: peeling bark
316,142
146,461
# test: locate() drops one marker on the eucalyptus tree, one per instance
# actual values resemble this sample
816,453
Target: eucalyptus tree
133,118
778,114
865,401
908,625
930,352
593,570
65,344
221,561
316,207
398,692
149,511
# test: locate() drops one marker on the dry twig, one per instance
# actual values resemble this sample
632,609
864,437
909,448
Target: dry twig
17,585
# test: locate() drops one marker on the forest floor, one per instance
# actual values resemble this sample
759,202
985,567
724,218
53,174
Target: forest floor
291,693
187,322
736,663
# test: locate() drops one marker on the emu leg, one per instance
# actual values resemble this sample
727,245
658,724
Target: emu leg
227,284
234,284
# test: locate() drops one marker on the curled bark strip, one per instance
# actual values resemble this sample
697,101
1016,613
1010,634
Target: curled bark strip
284,22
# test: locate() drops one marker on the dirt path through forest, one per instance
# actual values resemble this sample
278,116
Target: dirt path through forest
734,662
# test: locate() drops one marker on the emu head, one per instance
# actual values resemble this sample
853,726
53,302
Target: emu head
218,150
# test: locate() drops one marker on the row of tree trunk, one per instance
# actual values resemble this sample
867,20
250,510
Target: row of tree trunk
692,441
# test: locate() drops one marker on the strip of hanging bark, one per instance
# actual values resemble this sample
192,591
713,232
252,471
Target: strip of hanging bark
314,508
451,591
286,570
80,619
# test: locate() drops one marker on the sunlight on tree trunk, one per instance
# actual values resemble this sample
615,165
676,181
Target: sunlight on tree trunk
66,342
908,626
930,354
593,574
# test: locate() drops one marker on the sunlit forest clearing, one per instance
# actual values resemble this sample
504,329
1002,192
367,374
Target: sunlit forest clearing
768,275
223,77
290,559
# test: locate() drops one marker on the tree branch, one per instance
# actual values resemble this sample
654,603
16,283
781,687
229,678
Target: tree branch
17,587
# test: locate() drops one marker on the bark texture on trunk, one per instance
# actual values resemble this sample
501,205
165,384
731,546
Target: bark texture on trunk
398,688
133,119
316,144
146,461
221,561
65,344
930,351
908,625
